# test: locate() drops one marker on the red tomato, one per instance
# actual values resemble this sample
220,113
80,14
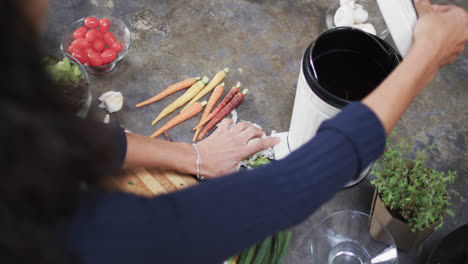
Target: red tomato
104,25
91,22
94,59
99,45
80,33
80,55
72,49
108,56
80,43
109,38
93,35
88,50
117,46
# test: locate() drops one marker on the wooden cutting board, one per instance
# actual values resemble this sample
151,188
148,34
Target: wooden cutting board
151,182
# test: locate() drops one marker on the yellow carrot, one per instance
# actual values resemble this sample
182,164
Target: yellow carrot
191,112
219,77
189,94
217,93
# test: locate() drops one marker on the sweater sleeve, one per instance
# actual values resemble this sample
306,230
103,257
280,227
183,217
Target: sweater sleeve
219,218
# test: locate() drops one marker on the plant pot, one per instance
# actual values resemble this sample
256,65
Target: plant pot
401,231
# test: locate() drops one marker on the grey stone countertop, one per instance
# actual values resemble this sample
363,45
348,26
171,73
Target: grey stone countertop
262,42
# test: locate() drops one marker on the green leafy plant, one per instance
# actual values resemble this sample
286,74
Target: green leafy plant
410,189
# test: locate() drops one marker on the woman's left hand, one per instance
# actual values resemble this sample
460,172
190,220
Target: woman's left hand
222,151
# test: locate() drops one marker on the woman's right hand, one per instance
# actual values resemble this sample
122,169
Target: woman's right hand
442,29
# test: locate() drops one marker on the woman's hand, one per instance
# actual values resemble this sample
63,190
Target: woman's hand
441,30
221,152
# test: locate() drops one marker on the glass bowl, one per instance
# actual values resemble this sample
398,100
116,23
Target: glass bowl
345,237
121,33
77,95
371,6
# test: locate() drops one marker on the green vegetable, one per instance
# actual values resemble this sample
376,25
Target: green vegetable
130,183
231,260
263,252
62,71
284,250
249,255
260,161
279,243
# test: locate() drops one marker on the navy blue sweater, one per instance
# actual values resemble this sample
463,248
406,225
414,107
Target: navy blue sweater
217,219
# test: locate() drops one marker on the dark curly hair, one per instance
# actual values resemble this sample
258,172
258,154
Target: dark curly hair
46,151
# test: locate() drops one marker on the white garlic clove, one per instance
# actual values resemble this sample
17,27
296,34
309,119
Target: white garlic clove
349,3
360,16
369,28
358,7
111,101
344,17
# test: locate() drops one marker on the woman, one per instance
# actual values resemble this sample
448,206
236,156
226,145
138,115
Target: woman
46,154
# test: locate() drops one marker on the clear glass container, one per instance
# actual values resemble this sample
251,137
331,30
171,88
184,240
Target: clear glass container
121,33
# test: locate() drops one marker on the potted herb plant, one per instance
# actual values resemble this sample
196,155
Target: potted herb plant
410,200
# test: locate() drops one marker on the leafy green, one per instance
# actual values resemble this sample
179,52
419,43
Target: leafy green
62,71
260,161
130,183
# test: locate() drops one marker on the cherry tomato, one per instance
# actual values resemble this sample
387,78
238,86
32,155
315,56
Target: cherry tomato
80,55
88,50
93,35
80,33
91,22
72,49
80,43
117,46
99,45
104,25
108,56
94,59
109,38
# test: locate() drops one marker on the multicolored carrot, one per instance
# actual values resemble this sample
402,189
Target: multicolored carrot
191,112
234,90
170,90
189,94
233,104
217,93
219,77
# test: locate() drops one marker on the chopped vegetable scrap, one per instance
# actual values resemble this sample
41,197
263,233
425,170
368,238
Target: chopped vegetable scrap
62,70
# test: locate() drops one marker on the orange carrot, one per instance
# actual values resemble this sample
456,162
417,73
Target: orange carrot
233,104
170,90
234,90
217,93
190,112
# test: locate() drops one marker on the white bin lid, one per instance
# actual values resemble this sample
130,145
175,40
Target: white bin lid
400,17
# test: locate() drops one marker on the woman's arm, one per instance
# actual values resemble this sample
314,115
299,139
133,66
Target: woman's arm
439,37
220,153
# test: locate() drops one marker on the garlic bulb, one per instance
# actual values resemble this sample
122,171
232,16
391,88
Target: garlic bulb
350,3
369,28
344,17
360,16
111,101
